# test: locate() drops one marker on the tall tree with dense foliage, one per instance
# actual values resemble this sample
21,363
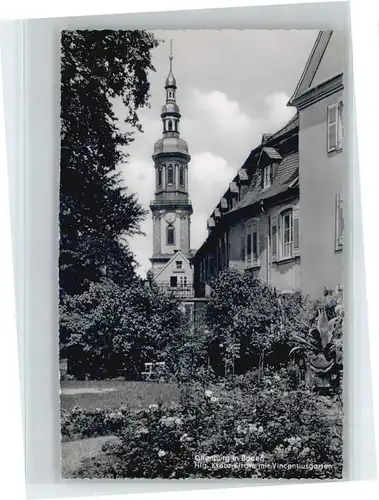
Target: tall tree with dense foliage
245,318
97,211
113,330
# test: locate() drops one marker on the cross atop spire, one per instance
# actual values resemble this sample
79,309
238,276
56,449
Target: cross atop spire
170,80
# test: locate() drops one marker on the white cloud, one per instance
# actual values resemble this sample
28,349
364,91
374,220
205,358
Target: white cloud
225,113
138,176
278,113
209,177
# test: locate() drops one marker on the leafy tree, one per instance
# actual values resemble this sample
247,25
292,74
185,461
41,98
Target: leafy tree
111,330
97,211
246,318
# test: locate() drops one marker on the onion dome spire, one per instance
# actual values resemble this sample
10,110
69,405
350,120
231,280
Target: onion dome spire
170,80
171,141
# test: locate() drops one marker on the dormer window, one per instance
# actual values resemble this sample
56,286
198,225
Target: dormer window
268,159
266,176
179,264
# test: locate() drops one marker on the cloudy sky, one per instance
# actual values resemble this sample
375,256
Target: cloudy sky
233,86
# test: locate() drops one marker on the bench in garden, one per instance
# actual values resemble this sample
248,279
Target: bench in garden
154,370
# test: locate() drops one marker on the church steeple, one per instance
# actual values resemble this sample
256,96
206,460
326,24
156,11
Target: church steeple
170,111
171,208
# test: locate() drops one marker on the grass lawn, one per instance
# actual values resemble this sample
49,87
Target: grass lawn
114,393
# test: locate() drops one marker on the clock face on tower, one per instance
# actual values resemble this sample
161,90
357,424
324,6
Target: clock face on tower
170,218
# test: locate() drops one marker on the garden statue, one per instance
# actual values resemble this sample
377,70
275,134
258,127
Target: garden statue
320,355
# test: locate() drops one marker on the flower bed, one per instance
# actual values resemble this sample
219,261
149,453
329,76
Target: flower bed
79,423
270,431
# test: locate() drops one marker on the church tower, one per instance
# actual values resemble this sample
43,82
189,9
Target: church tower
171,208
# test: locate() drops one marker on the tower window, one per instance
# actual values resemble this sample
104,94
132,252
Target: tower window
176,125
159,176
181,176
170,235
169,124
170,175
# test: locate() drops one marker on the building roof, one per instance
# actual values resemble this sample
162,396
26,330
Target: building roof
171,144
172,258
287,172
312,65
271,153
290,125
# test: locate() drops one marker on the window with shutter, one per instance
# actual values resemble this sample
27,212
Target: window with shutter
252,244
339,223
332,127
248,247
296,232
255,243
340,124
242,249
286,234
274,238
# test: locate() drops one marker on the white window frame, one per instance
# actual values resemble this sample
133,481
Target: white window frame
183,281
286,249
295,250
251,228
266,173
336,124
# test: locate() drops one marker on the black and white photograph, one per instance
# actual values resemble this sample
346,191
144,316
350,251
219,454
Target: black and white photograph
201,254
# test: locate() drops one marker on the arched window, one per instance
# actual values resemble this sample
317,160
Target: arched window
170,235
169,125
181,176
176,125
170,175
160,176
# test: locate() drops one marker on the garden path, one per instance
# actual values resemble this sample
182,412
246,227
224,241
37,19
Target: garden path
74,452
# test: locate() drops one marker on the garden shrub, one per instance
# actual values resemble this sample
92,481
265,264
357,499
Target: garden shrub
112,330
79,423
274,423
